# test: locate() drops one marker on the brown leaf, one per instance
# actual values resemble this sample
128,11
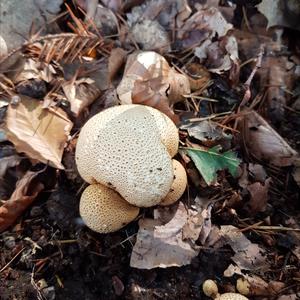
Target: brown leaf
202,25
248,256
116,60
264,142
27,189
148,79
80,93
118,285
40,133
164,246
259,196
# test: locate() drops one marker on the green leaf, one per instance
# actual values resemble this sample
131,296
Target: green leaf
208,162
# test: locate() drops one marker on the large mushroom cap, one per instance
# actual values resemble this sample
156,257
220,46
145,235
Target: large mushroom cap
122,148
103,210
231,296
178,186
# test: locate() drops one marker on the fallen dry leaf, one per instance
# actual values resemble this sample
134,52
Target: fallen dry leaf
149,80
296,172
203,25
115,61
288,297
39,133
8,162
163,246
208,132
281,13
248,256
36,70
151,36
27,188
264,142
80,93
259,196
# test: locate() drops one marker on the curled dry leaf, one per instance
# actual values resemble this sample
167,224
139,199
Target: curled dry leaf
264,142
116,60
39,133
148,79
27,188
36,70
164,246
259,196
248,256
80,93
203,25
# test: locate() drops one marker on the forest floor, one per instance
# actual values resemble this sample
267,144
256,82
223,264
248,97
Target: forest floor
230,82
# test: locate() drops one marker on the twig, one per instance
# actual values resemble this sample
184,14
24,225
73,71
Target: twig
247,84
276,228
10,262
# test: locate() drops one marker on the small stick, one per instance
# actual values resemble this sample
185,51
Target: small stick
9,263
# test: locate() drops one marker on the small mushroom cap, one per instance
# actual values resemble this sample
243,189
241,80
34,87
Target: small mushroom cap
231,296
104,210
179,184
210,288
243,286
122,148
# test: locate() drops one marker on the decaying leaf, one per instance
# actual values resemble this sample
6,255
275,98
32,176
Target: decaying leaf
27,189
206,132
203,25
149,80
264,142
8,162
296,173
209,161
36,70
151,36
164,246
281,12
259,196
219,56
39,133
248,256
80,93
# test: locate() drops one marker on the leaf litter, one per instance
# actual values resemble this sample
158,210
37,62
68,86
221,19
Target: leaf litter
239,217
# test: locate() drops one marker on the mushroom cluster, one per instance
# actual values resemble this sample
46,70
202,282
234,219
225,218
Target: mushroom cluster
125,154
210,289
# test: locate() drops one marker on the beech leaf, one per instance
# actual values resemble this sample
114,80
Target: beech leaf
38,132
208,162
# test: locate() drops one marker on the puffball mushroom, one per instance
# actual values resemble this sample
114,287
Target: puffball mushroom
104,210
231,296
128,148
210,289
178,185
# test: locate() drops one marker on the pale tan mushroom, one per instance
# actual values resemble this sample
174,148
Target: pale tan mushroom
231,296
104,210
179,184
123,149
210,289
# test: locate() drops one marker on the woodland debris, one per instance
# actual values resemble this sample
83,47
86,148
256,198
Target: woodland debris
263,142
163,245
27,189
40,133
149,80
